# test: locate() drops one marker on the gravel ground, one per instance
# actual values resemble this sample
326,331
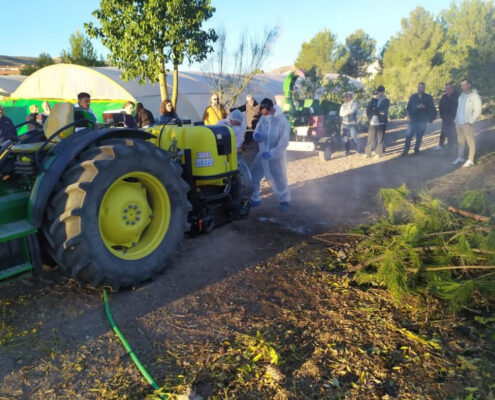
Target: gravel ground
55,341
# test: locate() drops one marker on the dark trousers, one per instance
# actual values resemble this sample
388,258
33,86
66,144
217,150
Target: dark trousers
375,132
416,128
448,132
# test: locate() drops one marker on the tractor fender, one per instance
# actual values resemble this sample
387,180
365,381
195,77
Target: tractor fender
60,158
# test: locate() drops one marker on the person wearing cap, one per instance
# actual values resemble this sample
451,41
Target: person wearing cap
348,113
377,112
272,134
214,112
236,121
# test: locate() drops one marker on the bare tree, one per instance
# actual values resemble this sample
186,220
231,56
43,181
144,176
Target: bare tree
230,74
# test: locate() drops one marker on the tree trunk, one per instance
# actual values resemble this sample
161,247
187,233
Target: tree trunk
175,89
162,79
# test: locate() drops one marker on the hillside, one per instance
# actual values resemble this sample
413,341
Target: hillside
16,60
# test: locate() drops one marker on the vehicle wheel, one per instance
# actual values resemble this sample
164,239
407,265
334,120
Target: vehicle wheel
242,188
117,214
326,153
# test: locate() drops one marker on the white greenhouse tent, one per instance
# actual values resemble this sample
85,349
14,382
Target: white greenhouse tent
62,82
9,83
65,81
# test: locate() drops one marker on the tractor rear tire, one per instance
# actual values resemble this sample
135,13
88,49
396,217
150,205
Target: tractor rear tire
99,200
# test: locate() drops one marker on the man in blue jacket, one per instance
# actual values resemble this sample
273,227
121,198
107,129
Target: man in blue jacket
420,110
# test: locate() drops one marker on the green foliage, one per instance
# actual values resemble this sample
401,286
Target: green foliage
415,55
424,249
326,55
397,110
476,201
358,52
335,90
439,49
311,84
143,35
81,52
469,50
43,60
320,52
316,85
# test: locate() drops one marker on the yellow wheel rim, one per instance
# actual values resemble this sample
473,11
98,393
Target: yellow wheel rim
134,215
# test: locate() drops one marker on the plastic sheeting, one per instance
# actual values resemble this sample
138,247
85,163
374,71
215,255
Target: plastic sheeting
62,82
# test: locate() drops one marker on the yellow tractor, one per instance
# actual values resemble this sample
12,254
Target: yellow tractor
111,205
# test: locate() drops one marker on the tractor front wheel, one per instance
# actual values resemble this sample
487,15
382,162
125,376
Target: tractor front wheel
326,153
118,215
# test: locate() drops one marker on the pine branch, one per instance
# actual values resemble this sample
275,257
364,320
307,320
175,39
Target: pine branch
467,214
449,267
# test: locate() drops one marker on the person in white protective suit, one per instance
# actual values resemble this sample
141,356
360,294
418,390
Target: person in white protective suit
272,134
238,124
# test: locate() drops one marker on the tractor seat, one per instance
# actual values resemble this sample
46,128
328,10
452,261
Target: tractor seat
61,115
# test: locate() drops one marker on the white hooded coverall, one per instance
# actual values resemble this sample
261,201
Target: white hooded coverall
276,131
239,130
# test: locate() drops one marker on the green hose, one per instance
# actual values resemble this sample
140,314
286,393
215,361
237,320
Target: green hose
133,355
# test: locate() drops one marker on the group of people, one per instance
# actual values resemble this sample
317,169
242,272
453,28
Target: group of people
457,112
271,131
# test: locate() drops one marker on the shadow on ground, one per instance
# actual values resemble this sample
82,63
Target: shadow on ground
48,321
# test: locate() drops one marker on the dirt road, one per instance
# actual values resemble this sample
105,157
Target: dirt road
54,335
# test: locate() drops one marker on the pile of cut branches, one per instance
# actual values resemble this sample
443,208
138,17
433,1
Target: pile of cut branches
426,248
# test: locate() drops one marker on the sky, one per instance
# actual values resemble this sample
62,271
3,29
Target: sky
31,27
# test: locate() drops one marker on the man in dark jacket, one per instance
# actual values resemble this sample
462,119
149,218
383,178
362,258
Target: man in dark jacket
144,117
377,112
7,127
420,110
252,110
448,111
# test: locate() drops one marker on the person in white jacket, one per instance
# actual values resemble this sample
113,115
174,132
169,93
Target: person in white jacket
238,124
468,111
348,113
272,134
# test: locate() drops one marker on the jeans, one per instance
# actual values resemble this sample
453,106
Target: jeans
416,128
348,134
375,132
